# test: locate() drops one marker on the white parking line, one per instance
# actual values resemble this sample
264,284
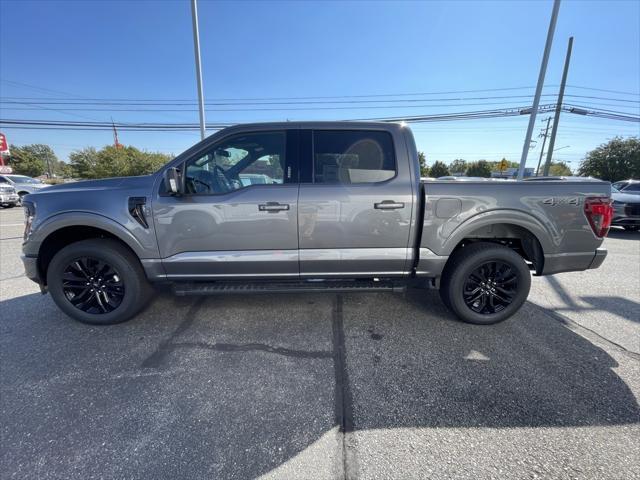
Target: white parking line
11,224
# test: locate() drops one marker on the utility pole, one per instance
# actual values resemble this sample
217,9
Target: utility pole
545,135
556,117
196,46
536,98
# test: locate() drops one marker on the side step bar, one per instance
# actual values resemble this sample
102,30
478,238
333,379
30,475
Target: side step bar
223,288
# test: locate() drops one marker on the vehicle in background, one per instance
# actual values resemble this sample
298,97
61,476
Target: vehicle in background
336,207
467,179
8,196
628,186
24,185
626,210
571,178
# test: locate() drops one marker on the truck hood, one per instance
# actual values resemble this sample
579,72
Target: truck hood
103,184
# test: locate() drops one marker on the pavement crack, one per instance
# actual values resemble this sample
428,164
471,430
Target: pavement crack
255,347
157,357
170,344
11,278
343,397
586,331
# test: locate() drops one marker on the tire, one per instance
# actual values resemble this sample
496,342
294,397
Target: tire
87,264
488,273
631,228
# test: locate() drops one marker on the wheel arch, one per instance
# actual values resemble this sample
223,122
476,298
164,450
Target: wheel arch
521,232
65,229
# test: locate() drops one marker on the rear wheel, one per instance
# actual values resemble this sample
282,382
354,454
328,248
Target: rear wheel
98,281
631,228
485,283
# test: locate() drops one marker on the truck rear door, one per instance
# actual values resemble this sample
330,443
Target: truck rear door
355,203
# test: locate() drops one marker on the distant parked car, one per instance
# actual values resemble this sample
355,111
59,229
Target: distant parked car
8,196
626,210
628,186
23,184
570,178
465,179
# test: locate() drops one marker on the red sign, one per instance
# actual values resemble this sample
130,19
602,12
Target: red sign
4,147
4,150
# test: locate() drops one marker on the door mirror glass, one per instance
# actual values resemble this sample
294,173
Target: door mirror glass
172,181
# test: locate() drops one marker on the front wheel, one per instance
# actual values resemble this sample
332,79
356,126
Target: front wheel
98,281
485,283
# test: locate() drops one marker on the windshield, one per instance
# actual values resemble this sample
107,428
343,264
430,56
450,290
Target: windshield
22,179
614,190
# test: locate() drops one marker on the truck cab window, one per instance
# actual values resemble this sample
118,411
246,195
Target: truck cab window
349,157
238,162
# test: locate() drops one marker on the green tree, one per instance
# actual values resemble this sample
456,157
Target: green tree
24,162
559,169
439,169
458,166
422,159
481,168
83,162
45,154
115,162
616,160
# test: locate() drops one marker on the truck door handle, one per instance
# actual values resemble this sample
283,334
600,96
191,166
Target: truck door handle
273,207
388,205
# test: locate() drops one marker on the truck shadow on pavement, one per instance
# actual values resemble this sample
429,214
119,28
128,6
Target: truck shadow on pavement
623,307
237,387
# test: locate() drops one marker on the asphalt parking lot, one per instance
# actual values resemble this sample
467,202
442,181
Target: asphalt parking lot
325,386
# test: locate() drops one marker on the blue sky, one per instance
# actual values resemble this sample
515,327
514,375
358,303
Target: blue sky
144,50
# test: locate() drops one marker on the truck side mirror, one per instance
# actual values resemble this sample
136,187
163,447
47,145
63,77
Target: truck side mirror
172,181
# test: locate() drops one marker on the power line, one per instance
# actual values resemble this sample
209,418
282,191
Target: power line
164,103
442,117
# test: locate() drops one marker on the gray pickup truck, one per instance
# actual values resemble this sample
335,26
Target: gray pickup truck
310,206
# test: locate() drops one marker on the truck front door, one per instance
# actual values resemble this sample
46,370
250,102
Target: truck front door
238,215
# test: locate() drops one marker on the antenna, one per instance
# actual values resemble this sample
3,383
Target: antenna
115,135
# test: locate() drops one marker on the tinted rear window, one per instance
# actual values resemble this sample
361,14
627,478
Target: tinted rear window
349,157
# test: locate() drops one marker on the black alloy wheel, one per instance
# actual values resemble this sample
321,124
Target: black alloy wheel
485,283
490,288
92,285
98,281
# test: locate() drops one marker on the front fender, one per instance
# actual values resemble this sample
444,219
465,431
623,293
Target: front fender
143,243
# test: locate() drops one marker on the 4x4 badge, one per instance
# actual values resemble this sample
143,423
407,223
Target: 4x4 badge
553,201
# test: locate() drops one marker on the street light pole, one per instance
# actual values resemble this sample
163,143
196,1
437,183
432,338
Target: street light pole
536,98
196,45
556,118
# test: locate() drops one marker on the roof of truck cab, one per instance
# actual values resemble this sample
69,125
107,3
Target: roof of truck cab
339,125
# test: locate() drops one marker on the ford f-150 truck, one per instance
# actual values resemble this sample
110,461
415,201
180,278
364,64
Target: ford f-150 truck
307,206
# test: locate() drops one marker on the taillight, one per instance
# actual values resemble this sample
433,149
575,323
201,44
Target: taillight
599,212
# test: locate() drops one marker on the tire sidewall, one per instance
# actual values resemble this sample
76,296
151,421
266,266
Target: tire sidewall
110,253
468,265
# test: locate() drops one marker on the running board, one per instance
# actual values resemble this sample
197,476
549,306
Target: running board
224,288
